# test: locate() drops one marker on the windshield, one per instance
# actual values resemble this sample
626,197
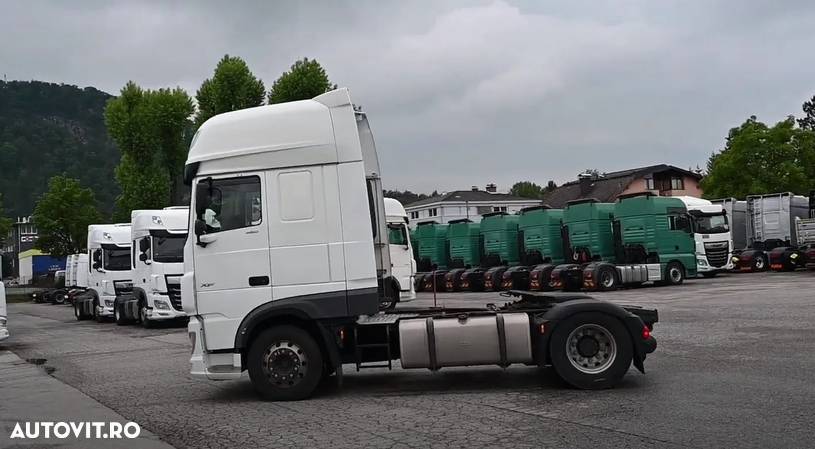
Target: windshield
397,235
116,258
169,249
712,224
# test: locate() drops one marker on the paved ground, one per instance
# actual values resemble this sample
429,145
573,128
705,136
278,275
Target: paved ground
733,369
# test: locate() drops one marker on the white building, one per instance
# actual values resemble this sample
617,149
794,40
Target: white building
465,204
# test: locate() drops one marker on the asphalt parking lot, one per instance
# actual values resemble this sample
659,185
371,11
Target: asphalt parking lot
733,369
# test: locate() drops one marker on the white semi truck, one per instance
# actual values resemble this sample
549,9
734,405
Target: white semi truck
157,242
3,314
403,266
108,271
287,262
711,233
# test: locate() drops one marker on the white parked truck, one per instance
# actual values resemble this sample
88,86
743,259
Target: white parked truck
287,262
711,234
3,314
403,266
70,272
157,242
108,271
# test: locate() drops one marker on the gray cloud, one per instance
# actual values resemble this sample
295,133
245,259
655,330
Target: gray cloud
463,93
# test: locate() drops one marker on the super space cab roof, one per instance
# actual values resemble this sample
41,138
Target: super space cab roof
322,130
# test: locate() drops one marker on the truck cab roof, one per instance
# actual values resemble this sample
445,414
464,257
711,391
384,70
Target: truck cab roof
171,220
116,234
702,205
394,211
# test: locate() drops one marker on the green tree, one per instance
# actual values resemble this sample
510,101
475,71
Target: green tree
526,189
232,87
808,121
305,80
62,216
760,159
151,128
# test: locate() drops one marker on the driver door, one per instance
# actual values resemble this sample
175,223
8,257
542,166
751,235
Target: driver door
231,258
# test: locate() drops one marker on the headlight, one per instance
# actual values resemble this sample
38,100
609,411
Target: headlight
161,305
794,256
735,259
108,303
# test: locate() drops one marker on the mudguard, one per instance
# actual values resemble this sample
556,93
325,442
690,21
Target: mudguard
540,277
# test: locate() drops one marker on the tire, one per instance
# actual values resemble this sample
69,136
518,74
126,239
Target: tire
570,355
295,351
145,322
79,315
674,273
759,263
607,278
59,297
98,318
118,315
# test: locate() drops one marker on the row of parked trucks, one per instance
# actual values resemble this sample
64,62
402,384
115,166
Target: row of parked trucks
586,245
641,238
288,251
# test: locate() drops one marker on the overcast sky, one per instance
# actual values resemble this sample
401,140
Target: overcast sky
463,93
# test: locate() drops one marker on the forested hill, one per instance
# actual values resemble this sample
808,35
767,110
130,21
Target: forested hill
48,129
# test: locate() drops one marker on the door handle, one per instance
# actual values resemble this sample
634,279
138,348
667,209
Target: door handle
255,281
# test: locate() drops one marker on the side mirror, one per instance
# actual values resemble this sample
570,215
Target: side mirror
200,229
144,245
201,199
97,258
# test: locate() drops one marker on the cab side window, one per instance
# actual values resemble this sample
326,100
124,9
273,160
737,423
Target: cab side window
679,223
229,203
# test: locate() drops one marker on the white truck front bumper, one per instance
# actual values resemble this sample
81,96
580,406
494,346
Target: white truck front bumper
202,363
105,306
702,265
163,310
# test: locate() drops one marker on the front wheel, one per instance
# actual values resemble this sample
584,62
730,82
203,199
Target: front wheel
674,273
146,323
285,364
78,313
591,350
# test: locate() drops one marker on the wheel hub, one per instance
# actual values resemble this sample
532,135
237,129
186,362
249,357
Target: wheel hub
676,275
591,348
285,364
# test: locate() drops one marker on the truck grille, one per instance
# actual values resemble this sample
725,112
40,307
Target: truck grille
174,292
716,253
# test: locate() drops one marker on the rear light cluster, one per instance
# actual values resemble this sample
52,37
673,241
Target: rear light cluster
555,281
646,333
588,280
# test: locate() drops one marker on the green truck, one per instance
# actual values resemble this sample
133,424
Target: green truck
431,248
541,244
640,238
499,236
465,247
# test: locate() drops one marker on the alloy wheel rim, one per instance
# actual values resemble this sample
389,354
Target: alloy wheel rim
591,348
285,364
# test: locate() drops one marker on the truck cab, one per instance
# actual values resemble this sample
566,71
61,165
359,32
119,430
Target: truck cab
157,239
3,314
403,266
108,270
711,234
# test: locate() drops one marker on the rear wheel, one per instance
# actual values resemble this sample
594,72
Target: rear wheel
591,350
759,263
607,278
285,364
